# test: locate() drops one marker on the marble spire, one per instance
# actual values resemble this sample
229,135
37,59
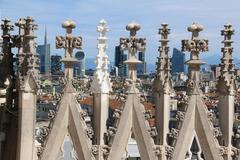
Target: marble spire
195,45
28,60
226,89
227,67
132,45
69,43
161,91
164,64
194,121
101,81
28,75
101,86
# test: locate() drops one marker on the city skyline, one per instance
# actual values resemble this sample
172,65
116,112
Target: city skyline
86,15
97,116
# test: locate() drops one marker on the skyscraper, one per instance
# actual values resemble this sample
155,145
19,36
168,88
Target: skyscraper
56,65
141,68
120,57
79,67
44,54
1,44
178,61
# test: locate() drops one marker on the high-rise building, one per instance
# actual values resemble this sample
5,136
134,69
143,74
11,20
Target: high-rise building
120,57
79,67
56,65
124,67
141,68
1,41
178,61
1,44
44,54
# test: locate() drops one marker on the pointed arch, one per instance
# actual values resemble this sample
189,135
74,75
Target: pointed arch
68,120
133,119
196,121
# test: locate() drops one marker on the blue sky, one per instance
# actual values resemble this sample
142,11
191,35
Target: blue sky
179,14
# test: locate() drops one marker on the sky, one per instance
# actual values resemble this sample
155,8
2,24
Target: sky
179,14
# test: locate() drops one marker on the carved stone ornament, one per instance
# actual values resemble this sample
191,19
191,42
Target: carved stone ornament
174,133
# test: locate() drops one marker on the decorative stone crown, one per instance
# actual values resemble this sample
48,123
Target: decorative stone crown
133,27
69,24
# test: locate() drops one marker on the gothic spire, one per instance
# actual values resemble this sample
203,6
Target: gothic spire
6,59
28,60
226,90
226,79
101,81
133,45
161,91
163,64
195,45
69,43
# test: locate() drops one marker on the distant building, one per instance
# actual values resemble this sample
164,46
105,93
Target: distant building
122,68
89,72
56,65
141,68
206,75
178,61
79,67
1,44
1,41
44,54
216,71
120,57
179,81
114,71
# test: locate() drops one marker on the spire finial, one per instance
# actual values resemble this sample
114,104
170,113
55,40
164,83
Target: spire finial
162,79
101,81
133,27
102,28
164,61
195,45
133,45
69,43
226,79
